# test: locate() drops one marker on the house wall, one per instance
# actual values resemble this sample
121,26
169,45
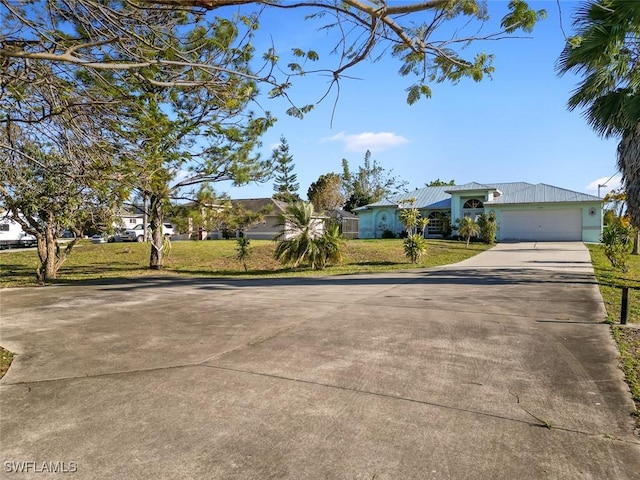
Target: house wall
591,216
372,223
459,199
266,230
128,221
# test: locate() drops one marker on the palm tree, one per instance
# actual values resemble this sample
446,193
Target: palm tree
605,52
301,240
468,228
298,232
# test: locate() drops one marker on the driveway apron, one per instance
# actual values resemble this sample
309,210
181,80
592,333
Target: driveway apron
498,367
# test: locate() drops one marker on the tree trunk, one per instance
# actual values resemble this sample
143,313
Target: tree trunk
636,241
157,239
145,216
629,165
47,253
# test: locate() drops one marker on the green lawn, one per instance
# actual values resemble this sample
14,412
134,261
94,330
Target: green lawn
5,361
217,258
627,338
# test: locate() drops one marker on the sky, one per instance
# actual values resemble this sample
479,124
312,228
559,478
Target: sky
513,127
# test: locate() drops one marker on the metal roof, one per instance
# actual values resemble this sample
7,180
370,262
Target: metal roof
509,193
470,186
385,202
425,198
541,193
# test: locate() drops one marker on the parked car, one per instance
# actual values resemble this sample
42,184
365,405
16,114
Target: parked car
98,238
136,234
116,236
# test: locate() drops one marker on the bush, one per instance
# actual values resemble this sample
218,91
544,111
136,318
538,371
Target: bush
488,228
617,238
388,234
414,247
447,228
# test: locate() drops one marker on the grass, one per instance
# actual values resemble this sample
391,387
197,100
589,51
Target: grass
6,357
627,338
217,258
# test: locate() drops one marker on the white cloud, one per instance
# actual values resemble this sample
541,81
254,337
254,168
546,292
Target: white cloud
376,142
606,185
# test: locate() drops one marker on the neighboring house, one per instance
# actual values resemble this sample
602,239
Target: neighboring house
268,228
524,211
129,220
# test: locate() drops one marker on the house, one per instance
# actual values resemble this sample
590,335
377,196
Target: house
268,228
524,211
128,218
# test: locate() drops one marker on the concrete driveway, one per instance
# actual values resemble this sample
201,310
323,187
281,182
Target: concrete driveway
498,367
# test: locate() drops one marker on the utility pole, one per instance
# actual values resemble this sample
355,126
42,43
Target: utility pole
599,186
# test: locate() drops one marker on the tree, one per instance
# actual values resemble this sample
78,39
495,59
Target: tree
616,201
178,137
326,192
243,251
467,228
414,245
605,52
440,183
110,35
60,172
285,180
370,184
175,82
301,239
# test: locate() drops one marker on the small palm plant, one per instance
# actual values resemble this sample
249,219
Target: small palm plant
467,228
328,247
301,239
414,245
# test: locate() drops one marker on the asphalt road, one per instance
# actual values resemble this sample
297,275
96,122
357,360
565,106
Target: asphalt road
495,368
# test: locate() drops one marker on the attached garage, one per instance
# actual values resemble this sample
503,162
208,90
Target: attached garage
542,225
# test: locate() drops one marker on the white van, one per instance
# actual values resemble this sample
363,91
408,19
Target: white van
12,235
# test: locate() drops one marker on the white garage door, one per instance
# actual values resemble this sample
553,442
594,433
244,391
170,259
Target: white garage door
551,225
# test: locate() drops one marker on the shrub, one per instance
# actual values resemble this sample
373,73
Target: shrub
388,234
488,228
414,247
617,238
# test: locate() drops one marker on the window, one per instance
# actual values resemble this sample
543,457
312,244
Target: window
434,227
473,203
473,208
4,227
